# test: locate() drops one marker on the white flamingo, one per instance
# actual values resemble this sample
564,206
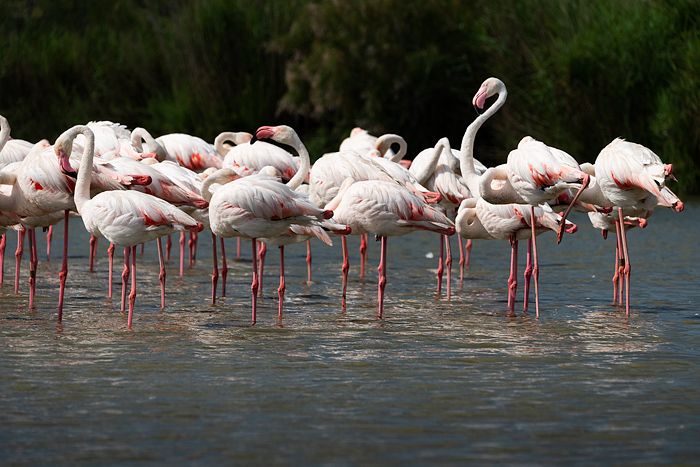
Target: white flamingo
260,206
125,218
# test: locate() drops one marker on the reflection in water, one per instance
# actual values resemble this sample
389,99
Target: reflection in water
435,380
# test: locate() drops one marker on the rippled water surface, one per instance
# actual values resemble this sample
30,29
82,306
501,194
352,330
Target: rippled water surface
436,381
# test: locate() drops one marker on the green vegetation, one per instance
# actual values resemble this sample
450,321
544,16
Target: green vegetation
579,72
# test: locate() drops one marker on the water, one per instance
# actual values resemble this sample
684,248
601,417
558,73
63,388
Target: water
433,382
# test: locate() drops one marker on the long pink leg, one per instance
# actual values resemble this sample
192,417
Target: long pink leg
448,265
238,248
49,236
195,239
536,271
33,260
132,295
125,275
441,266
143,247
468,249
620,263
190,245
63,274
161,274
308,260
461,260
182,253
224,268
215,270
363,254
110,255
3,245
527,275
513,279
345,268
168,247
255,283
18,257
382,277
627,269
282,287
562,225
93,250
262,252
616,274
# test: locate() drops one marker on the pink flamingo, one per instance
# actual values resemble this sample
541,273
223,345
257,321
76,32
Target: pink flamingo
433,168
247,158
260,206
385,209
633,178
125,218
190,151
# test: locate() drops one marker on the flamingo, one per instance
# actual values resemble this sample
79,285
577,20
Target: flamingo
384,208
125,218
361,141
35,187
433,168
247,158
260,206
633,177
190,151
534,173
210,185
477,218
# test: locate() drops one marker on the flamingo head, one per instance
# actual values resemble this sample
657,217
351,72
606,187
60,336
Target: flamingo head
488,88
266,132
62,148
282,134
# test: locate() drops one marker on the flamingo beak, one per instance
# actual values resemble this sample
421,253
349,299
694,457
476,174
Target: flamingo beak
64,164
264,132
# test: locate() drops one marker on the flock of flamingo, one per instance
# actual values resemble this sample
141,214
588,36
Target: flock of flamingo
131,188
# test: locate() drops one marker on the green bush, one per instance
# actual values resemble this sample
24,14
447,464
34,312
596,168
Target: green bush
579,72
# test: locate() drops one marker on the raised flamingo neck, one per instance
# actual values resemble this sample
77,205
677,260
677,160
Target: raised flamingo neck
466,155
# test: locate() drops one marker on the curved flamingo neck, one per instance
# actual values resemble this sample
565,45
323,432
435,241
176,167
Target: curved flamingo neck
305,165
240,137
505,194
466,154
82,185
384,142
429,169
221,176
141,134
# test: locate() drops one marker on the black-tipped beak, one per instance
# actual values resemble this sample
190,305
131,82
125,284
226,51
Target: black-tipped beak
254,139
478,111
72,174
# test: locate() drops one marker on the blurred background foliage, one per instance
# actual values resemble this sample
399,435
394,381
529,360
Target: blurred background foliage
579,72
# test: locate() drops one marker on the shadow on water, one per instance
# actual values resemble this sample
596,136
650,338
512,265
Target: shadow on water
436,380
